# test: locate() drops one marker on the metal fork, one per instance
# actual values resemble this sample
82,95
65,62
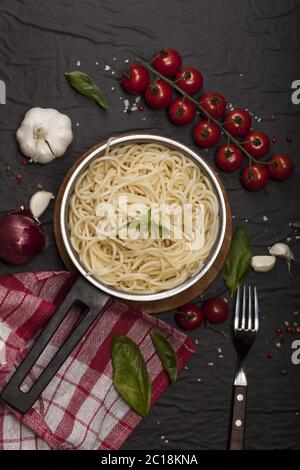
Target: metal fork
245,331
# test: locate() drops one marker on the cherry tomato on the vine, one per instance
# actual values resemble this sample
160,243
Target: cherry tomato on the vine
216,310
257,144
167,62
158,94
229,158
135,80
189,80
214,103
255,177
237,122
181,111
206,133
281,167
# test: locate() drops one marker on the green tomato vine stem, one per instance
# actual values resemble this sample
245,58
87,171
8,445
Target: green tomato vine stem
230,137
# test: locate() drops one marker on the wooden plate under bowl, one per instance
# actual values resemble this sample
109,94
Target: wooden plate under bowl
164,304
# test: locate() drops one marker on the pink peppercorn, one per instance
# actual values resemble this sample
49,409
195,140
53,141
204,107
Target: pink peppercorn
270,355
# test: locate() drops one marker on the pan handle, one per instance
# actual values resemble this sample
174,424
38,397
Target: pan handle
81,290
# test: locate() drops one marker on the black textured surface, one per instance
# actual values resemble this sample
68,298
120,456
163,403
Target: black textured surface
250,51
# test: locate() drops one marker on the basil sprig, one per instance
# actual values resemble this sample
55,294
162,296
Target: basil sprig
130,375
145,224
238,261
86,86
166,354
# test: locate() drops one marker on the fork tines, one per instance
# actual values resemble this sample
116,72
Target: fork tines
245,319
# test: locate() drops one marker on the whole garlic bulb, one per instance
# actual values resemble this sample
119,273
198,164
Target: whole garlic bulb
44,134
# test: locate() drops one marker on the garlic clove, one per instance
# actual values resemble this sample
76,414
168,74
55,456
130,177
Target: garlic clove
39,203
281,250
263,264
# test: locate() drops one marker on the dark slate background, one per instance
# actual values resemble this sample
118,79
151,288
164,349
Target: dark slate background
250,51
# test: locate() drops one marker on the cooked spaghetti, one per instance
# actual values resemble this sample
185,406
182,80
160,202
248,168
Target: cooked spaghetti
146,174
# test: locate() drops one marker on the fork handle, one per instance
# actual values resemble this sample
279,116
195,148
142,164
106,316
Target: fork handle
238,417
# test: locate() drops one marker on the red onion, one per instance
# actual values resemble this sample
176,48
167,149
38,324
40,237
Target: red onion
21,238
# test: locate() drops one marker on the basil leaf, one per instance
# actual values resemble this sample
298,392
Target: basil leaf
134,224
86,86
130,375
296,223
166,354
238,261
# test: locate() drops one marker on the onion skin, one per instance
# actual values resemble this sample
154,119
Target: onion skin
21,238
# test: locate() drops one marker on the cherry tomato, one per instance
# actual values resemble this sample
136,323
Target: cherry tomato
167,62
215,310
181,111
135,80
214,103
237,122
229,158
189,79
189,317
281,168
255,177
257,144
206,133
158,94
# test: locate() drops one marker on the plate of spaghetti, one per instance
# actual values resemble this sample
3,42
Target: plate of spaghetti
142,217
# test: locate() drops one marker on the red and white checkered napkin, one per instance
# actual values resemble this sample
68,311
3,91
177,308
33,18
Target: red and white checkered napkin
80,408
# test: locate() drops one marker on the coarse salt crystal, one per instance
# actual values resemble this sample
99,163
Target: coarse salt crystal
265,218
126,103
126,61
107,67
138,99
219,350
78,63
210,363
114,58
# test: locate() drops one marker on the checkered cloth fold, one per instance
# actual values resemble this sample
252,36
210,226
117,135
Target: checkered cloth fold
80,408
